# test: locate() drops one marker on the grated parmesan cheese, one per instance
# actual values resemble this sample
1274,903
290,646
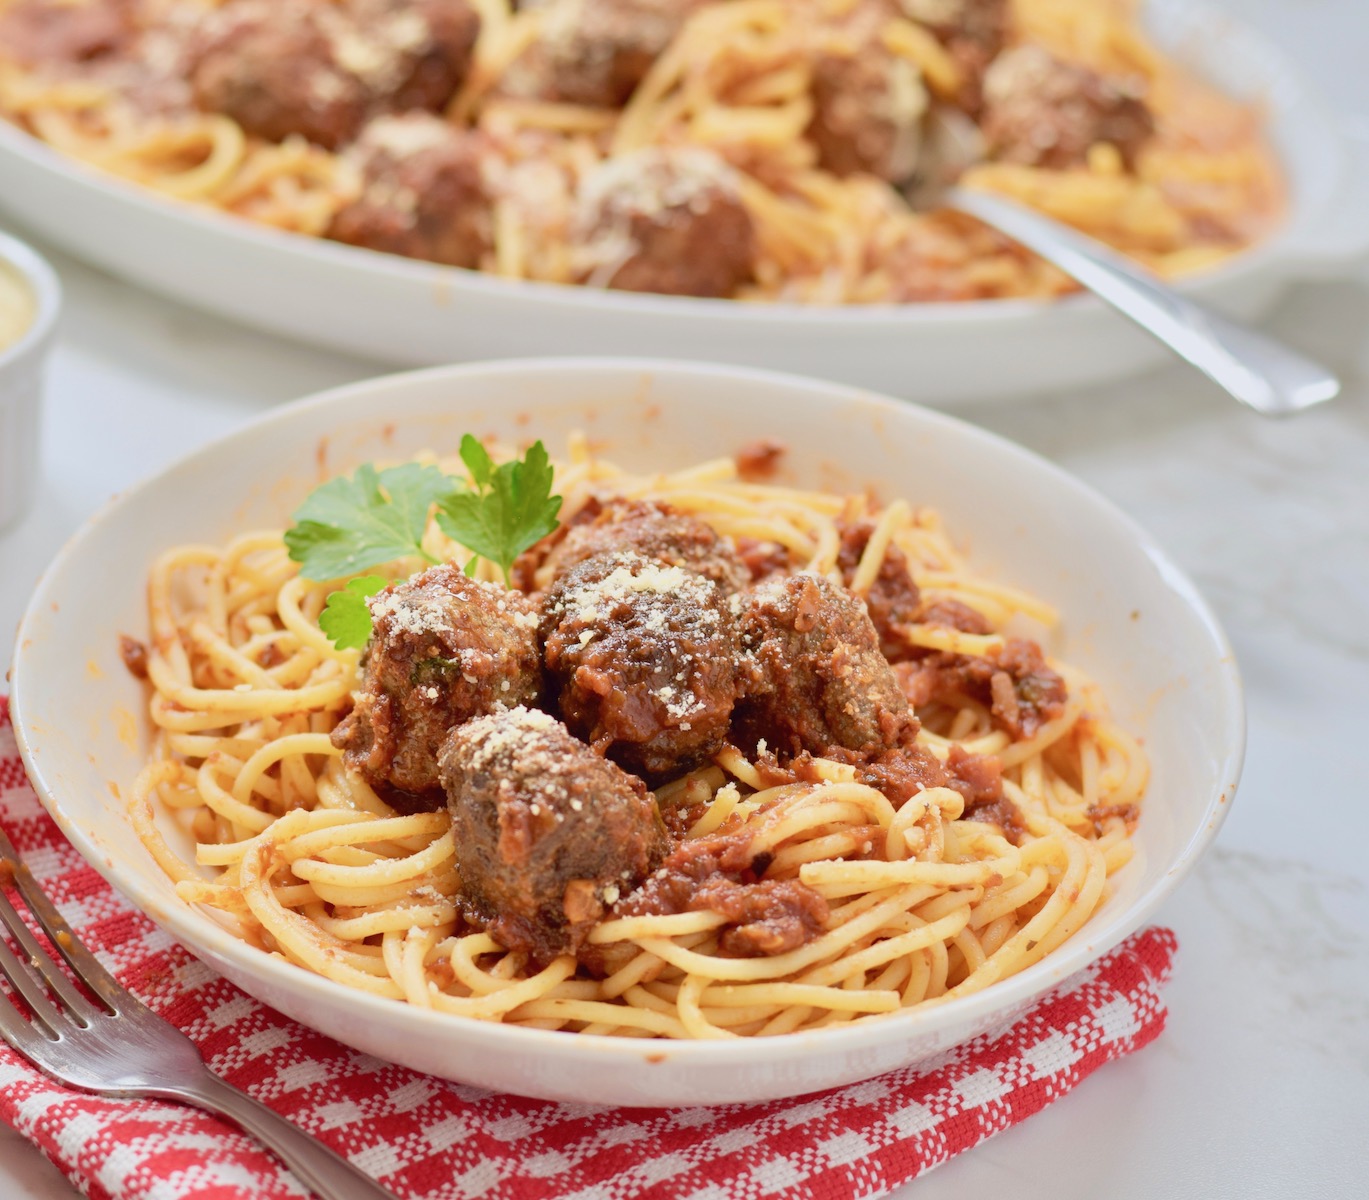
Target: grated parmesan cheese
405,136
506,733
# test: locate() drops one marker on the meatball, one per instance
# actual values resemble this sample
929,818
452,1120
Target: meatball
665,220
416,53
39,33
645,661
1040,111
319,70
423,194
868,111
655,531
274,70
823,682
548,834
444,649
596,52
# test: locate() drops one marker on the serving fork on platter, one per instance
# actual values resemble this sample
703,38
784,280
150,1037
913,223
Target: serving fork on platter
1262,373
105,1040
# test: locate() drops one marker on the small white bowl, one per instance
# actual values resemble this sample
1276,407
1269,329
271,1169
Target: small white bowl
1131,618
22,365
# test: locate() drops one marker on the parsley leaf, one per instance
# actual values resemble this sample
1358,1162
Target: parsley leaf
346,618
511,508
374,517
478,461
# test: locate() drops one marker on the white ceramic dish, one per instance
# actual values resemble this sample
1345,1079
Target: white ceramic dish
23,364
1132,619
411,313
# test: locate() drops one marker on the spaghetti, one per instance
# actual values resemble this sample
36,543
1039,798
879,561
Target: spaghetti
825,119
927,896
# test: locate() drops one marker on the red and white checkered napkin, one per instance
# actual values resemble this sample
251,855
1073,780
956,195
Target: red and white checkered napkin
424,1137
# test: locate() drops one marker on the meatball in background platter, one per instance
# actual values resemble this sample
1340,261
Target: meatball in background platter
318,70
668,220
1041,111
422,192
594,52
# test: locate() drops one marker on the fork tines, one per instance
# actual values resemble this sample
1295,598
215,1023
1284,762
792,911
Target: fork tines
32,973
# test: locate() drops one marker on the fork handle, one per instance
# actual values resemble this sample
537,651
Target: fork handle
326,1173
1260,372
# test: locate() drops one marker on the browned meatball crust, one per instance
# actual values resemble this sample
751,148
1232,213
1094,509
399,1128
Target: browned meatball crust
823,682
548,834
319,70
425,49
423,194
596,52
1040,111
655,531
444,649
274,70
644,658
868,107
665,220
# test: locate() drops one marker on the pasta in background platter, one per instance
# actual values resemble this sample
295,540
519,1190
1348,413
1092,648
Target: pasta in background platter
915,894
752,149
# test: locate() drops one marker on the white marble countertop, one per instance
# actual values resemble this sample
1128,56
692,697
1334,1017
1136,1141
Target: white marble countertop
1260,1085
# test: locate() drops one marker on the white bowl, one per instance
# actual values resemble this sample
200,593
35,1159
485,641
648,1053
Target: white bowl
1131,618
23,364
411,313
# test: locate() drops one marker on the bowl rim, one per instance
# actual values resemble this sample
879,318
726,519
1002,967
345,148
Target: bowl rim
199,934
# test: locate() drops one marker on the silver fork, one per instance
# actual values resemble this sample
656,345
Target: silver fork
1264,374
120,1047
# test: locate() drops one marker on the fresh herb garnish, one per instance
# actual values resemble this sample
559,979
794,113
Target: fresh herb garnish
375,517
346,618
478,461
511,507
